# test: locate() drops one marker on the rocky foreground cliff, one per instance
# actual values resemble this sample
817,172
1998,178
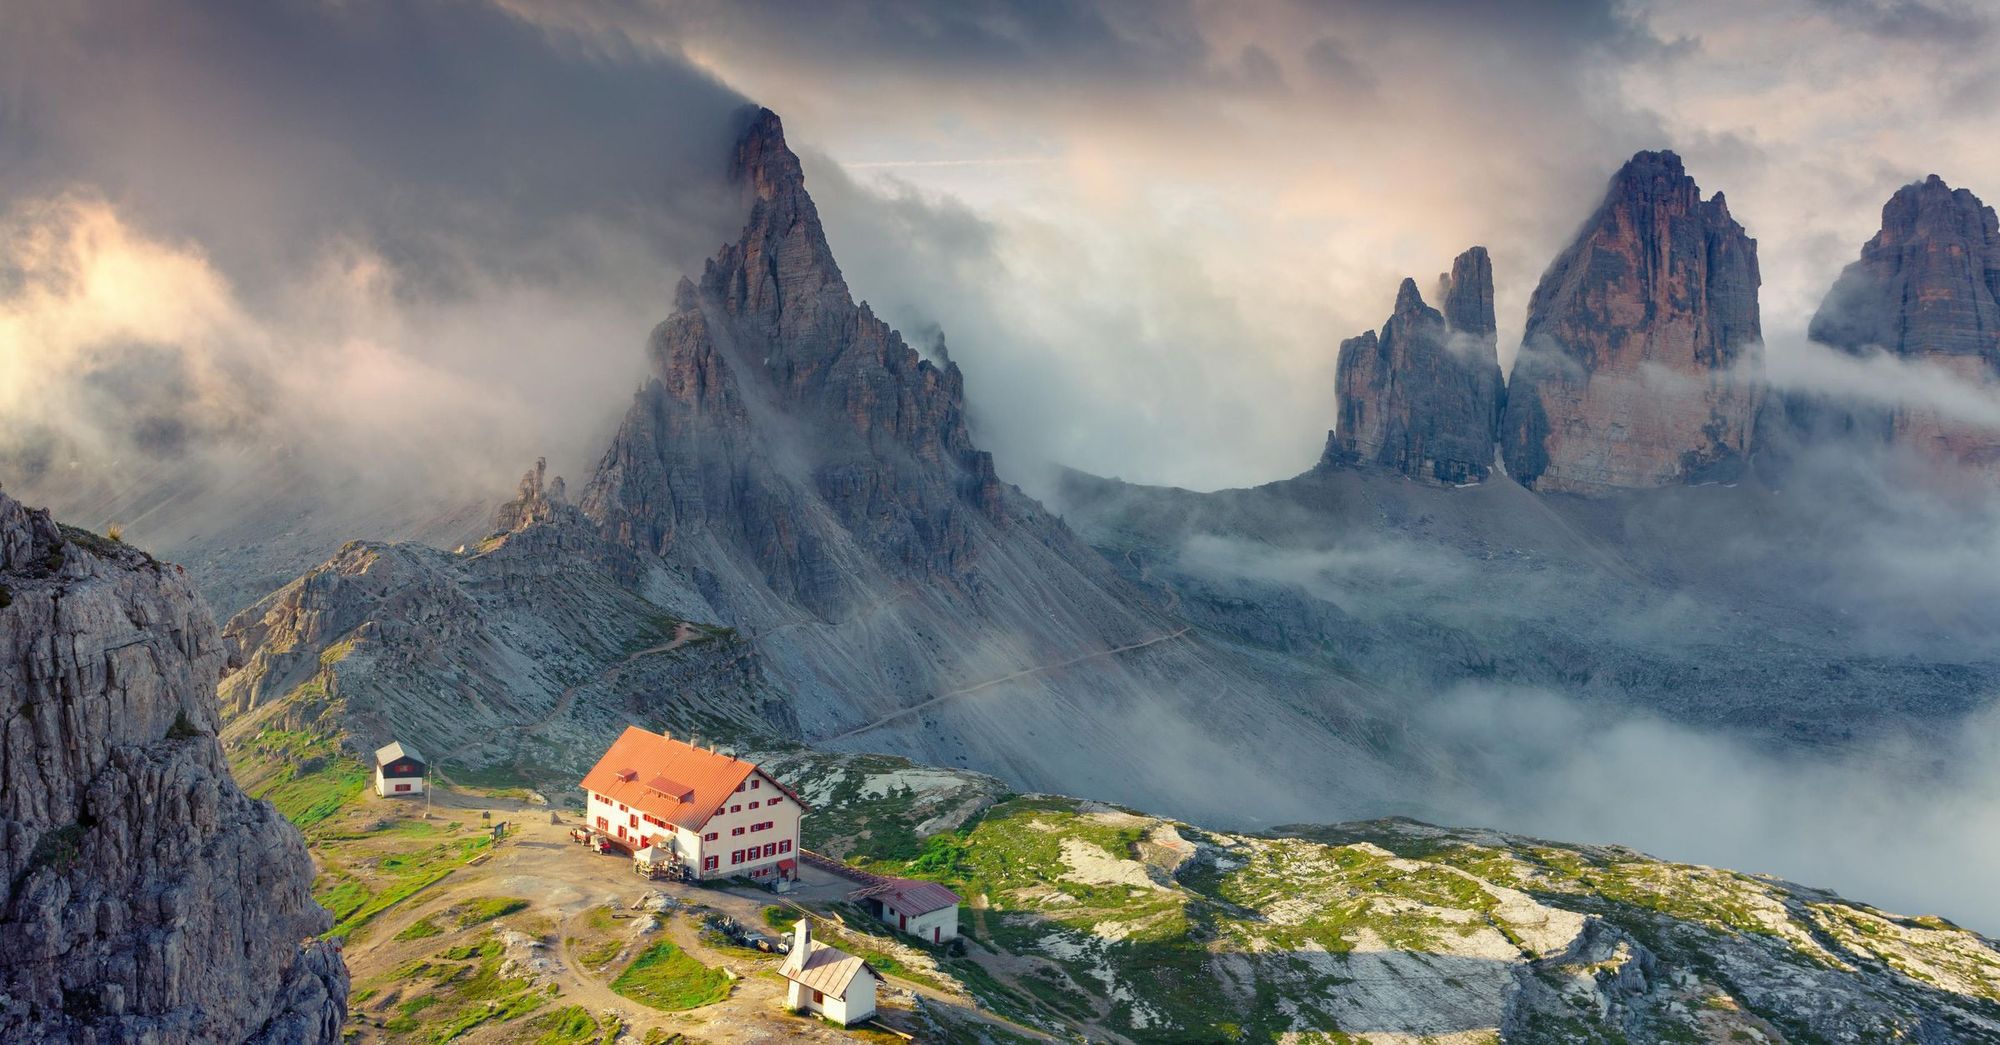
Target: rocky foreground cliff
145,897
1107,923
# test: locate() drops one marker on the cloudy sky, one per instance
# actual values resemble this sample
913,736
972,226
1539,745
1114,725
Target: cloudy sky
1144,227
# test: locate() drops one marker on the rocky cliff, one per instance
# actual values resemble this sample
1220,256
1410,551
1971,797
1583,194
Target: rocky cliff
1926,289
800,487
515,656
1642,355
1425,397
145,897
772,333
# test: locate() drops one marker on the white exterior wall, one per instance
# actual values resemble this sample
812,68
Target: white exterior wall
783,817
857,1006
614,818
784,820
920,926
384,786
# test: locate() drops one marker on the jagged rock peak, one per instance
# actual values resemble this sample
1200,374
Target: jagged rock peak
1409,301
537,498
763,160
1643,353
775,396
1466,293
143,896
783,244
1425,396
1926,285
1926,289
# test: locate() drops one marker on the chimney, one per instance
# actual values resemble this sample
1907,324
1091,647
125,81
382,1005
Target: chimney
801,939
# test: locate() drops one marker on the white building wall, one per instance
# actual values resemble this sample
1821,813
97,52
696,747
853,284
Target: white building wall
386,786
921,926
735,814
608,817
858,1005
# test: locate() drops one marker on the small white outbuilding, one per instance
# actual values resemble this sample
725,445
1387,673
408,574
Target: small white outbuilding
827,980
399,771
925,910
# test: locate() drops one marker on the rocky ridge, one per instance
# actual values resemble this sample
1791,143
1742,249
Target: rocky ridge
1425,397
1641,363
517,654
1116,925
145,897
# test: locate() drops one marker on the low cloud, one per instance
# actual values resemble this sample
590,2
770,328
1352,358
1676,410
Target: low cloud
1910,823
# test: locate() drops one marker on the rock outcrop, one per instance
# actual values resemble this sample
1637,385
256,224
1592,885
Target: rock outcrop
1926,289
797,487
1425,397
770,382
145,897
1642,358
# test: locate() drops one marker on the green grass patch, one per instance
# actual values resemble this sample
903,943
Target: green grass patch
782,918
421,929
356,894
457,990
487,908
573,1025
666,977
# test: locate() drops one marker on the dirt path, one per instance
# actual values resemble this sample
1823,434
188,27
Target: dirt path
989,683
683,634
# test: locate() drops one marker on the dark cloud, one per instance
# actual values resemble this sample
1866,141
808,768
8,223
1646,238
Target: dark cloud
1329,60
395,249
1957,25
431,130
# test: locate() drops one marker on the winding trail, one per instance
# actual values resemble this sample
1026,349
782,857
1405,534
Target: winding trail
684,633
989,683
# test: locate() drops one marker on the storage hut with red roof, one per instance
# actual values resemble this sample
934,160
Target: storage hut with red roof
720,816
925,910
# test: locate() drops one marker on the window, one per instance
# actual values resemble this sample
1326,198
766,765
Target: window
736,809
785,846
772,801
735,832
622,809
770,850
635,820
739,787
709,837
818,998
736,857
753,805
753,783
601,824
708,863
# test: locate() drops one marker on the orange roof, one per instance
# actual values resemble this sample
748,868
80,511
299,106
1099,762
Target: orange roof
671,779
